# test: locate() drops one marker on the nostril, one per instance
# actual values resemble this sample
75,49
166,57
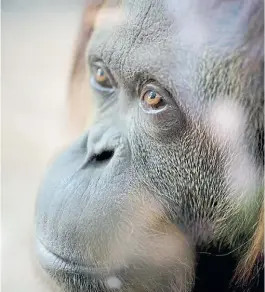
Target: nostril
103,156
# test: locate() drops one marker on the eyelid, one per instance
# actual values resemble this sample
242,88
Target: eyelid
96,86
94,61
142,85
153,85
98,64
95,64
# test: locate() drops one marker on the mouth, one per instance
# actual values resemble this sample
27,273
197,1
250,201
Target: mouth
52,263
98,279
75,276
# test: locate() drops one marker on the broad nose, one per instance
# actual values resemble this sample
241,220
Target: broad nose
102,141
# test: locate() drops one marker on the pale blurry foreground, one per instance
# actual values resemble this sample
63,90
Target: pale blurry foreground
36,55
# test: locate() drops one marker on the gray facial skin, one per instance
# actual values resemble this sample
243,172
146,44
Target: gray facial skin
125,206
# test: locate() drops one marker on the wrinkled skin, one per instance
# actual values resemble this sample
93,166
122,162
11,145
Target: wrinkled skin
142,188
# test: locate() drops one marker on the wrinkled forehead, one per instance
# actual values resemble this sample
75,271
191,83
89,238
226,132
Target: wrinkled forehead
162,27
166,40
131,29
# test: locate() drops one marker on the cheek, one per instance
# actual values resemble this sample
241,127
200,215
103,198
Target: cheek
187,177
156,165
164,126
146,235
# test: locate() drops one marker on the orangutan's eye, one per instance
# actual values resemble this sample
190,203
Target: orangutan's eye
100,78
151,99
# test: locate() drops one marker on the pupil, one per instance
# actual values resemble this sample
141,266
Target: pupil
100,72
152,94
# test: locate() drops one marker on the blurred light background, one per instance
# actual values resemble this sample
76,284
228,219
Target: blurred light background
37,43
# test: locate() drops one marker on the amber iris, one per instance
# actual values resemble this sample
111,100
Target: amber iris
101,76
152,98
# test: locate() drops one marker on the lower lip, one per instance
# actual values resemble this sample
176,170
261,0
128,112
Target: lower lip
54,263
